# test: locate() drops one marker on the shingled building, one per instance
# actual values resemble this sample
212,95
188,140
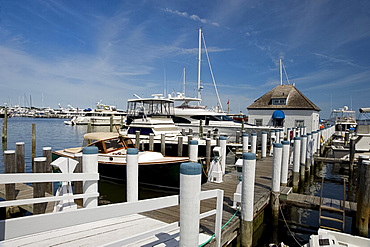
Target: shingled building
284,106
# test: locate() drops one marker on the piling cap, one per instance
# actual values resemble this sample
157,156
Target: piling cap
288,128
132,151
309,134
296,138
254,134
314,132
277,145
272,131
264,132
193,142
190,168
285,142
303,135
90,150
245,134
222,137
249,156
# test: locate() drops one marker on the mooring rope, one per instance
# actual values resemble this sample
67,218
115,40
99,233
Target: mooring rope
209,240
286,223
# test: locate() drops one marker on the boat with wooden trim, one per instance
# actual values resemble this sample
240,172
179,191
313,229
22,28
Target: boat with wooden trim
154,168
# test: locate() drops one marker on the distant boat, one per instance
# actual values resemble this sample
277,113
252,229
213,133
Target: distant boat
99,117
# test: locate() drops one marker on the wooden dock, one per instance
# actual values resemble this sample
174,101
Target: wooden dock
230,181
313,202
24,191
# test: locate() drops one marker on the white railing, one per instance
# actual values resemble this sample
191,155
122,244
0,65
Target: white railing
18,227
12,178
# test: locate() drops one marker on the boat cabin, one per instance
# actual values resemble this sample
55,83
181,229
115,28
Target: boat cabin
109,142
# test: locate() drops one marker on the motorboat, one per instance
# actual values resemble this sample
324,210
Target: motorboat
155,116
344,120
101,116
154,168
326,237
188,115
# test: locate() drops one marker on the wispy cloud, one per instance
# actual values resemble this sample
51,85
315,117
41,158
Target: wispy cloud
191,17
337,60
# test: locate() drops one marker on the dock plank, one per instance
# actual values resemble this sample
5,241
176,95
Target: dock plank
24,191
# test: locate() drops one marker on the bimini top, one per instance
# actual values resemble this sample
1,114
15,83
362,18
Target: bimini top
100,136
278,115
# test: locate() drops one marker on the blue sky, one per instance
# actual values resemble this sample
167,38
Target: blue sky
80,52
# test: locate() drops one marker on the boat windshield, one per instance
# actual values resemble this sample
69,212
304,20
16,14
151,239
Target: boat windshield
213,118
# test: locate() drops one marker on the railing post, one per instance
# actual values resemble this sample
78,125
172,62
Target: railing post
90,165
218,223
39,188
132,175
190,182
247,204
78,185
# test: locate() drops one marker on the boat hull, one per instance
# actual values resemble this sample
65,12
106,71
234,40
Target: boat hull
158,173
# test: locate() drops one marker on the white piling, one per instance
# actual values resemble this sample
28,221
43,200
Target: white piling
303,153
245,143
223,152
277,134
193,151
264,144
190,182
314,137
276,167
294,132
288,134
90,165
296,161
254,143
281,135
247,204
285,163
132,175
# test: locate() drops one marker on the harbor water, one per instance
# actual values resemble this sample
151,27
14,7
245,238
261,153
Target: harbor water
297,222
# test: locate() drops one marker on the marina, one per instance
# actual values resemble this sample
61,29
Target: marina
230,215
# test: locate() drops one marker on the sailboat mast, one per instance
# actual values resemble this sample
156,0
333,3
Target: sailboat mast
281,72
199,60
183,89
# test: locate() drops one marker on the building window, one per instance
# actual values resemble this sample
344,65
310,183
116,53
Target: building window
258,122
278,101
299,123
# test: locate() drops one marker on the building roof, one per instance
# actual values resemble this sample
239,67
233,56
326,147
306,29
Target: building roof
294,99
